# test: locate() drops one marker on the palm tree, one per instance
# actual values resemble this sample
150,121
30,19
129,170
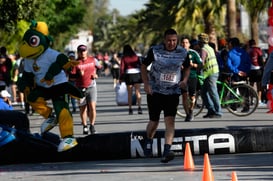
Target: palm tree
158,16
207,16
185,16
254,9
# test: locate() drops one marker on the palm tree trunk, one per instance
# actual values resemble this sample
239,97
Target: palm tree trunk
255,29
231,18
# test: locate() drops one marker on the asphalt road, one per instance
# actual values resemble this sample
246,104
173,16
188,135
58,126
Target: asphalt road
112,118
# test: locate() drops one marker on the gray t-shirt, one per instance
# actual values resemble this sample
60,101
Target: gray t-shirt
165,73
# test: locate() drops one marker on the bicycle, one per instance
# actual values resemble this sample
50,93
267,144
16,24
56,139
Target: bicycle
239,98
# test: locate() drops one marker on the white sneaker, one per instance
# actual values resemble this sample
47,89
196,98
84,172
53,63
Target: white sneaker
48,124
67,143
261,104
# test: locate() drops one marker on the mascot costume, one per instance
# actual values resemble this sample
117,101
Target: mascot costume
44,78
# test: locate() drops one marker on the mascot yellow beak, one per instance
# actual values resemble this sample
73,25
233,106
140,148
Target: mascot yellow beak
35,41
27,51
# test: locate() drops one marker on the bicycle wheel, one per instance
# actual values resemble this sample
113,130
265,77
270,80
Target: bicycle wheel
242,101
197,108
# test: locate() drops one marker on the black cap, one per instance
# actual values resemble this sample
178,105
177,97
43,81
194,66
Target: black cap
71,54
82,48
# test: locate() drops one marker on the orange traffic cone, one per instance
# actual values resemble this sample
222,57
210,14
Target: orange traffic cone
234,176
188,160
207,171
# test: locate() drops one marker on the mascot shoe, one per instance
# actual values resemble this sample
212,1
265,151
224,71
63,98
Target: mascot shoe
48,124
67,143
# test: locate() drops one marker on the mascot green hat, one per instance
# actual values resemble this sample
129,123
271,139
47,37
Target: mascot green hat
36,40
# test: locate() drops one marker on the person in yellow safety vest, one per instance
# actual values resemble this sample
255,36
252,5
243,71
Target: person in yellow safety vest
211,73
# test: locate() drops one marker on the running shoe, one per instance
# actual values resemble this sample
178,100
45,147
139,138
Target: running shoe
167,157
148,152
85,130
92,129
67,143
48,124
139,110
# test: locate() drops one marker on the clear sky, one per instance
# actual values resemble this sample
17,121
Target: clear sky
126,7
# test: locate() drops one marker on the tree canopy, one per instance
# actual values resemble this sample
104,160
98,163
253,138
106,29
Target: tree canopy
62,17
111,30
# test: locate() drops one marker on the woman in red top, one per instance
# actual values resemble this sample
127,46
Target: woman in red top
130,74
86,80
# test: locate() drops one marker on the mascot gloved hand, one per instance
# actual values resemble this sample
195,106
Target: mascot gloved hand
45,68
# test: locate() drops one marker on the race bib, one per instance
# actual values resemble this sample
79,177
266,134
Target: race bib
168,78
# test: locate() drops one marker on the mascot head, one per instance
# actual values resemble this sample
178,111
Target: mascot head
35,41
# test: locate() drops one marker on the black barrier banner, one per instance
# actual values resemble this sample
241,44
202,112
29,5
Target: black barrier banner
127,145
212,141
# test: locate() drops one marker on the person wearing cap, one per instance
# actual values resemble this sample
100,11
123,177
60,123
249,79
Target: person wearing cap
210,94
196,64
71,77
86,81
9,116
5,102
